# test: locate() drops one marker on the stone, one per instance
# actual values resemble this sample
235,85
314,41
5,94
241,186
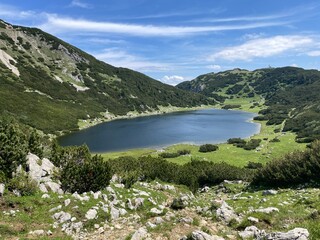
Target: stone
43,188
226,213
250,232
45,196
151,225
119,185
47,167
115,213
199,235
140,234
54,187
55,208
155,211
158,220
186,220
62,216
91,214
122,212
96,195
269,192
138,202
67,202
35,170
295,234
253,219
267,210
37,233
2,188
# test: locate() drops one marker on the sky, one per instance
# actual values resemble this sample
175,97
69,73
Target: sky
178,40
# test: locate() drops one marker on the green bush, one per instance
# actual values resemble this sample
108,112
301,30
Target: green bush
25,185
292,169
91,174
208,148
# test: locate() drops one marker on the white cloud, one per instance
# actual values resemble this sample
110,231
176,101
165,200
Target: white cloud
214,67
78,3
294,65
120,58
56,24
172,80
263,47
315,53
7,11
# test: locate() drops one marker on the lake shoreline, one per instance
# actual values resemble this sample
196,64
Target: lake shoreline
212,132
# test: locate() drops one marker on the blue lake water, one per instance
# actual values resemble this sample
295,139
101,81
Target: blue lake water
196,127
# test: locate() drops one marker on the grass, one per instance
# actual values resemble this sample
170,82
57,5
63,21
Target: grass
228,153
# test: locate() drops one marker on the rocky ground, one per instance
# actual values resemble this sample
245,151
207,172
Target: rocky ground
157,211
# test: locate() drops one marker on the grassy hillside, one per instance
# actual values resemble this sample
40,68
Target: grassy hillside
50,85
289,95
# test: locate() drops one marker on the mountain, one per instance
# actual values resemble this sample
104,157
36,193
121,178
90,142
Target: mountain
291,95
49,84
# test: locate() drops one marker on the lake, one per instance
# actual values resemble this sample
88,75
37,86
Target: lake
194,127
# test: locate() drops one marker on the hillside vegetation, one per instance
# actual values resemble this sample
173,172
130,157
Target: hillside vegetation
290,95
49,84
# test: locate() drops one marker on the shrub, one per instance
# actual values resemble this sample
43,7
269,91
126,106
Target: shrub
208,148
22,183
184,152
169,155
252,144
254,165
90,174
292,169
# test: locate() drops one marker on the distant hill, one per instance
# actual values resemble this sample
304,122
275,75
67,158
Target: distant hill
291,95
49,84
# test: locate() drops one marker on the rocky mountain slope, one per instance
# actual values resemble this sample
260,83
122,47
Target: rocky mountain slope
156,210
49,84
290,95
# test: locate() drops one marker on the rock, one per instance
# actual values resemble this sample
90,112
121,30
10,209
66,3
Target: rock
67,202
54,187
62,216
49,233
186,220
155,211
199,235
43,188
205,189
122,212
17,193
35,170
96,195
115,213
55,208
119,185
158,220
37,233
140,234
129,204
253,219
47,167
100,230
2,187
138,202
251,232
295,234
91,214
226,213
45,196
267,210
151,225
269,192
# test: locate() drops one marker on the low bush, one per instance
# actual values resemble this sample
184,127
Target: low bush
23,184
208,148
292,169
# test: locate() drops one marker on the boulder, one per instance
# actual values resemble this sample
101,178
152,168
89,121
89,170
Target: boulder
37,233
226,213
54,187
45,196
295,234
269,192
199,235
155,211
62,216
47,167
140,234
35,169
115,213
91,214
67,202
267,210
251,232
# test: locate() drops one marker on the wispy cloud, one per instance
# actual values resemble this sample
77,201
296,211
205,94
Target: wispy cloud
214,67
121,58
263,47
7,11
80,4
315,53
172,80
56,24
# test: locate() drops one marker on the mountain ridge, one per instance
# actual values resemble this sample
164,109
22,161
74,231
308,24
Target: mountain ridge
45,76
290,95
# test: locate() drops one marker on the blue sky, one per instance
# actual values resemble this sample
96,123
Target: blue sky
177,40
